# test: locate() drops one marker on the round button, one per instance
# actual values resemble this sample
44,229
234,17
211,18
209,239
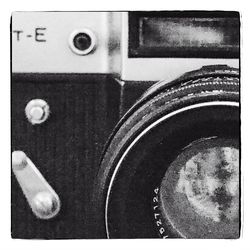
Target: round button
45,205
37,111
82,42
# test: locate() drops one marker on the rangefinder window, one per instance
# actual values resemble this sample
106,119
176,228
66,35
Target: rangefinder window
184,34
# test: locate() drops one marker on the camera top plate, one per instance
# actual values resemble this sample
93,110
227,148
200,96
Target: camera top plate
43,42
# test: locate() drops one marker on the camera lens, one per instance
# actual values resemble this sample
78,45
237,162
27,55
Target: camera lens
171,167
82,41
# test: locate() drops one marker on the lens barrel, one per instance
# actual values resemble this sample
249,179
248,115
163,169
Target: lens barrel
151,135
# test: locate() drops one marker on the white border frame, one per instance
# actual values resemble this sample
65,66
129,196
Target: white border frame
48,5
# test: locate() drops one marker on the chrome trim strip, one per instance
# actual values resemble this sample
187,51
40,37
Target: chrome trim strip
214,103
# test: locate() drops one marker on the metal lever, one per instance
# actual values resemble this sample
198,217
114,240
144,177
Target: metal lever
41,197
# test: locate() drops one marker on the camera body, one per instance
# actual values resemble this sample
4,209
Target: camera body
76,77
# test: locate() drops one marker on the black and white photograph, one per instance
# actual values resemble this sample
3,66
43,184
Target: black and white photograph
126,125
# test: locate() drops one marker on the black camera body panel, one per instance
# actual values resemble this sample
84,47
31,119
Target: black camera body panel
67,147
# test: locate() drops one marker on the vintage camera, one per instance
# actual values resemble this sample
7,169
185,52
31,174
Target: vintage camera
125,124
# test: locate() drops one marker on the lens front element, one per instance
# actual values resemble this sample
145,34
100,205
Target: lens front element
199,194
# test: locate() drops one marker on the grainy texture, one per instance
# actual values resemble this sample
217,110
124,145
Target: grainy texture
131,91
210,181
66,148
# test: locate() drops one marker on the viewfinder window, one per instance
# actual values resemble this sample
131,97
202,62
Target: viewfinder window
180,36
